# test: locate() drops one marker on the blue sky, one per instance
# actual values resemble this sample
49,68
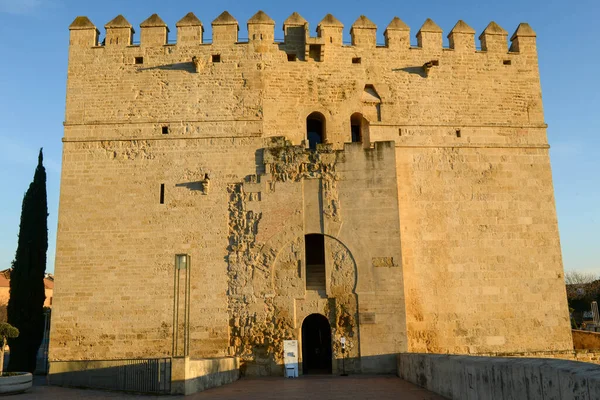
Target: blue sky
33,65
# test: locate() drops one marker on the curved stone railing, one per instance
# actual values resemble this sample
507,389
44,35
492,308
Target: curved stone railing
469,377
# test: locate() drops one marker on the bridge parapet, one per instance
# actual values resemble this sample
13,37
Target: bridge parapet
470,377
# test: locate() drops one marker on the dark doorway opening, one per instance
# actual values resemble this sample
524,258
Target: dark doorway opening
315,129
356,122
314,247
316,345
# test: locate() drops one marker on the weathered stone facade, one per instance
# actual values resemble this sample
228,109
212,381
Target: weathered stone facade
439,225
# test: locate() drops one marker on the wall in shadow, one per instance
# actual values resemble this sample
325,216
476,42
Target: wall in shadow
469,377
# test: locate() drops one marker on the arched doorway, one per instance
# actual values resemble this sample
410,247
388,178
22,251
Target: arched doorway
356,125
316,345
315,129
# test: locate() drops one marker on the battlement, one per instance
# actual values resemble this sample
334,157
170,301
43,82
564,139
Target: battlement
225,31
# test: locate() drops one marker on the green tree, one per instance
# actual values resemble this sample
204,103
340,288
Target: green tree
6,331
26,302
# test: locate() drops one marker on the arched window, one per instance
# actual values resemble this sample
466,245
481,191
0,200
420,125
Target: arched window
356,125
315,129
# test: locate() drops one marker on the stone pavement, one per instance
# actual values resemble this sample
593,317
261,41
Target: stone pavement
313,388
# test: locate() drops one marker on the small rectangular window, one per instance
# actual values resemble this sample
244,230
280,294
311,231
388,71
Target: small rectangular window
507,62
458,134
356,60
139,60
291,57
216,58
162,193
165,130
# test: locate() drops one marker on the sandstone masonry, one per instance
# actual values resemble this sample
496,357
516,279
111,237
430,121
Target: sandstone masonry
431,187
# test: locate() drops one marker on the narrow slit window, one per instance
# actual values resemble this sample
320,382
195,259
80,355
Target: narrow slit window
458,133
216,58
291,57
315,261
162,193
139,60
314,52
356,60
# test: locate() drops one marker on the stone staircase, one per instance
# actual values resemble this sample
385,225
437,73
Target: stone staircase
315,277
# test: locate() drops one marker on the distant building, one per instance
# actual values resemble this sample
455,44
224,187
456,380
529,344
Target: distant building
5,291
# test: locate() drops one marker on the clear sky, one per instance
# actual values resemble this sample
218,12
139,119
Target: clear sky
34,40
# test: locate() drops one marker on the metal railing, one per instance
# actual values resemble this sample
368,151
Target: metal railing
128,375
145,376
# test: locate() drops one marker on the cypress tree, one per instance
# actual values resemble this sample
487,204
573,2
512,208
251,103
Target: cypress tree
26,303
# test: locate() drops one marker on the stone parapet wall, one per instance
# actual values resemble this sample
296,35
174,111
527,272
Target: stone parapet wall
585,340
196,375
467,377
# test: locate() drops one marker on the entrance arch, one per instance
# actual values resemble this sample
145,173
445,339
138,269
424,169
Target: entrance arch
316,345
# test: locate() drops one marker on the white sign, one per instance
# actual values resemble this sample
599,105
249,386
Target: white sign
343,340
290,358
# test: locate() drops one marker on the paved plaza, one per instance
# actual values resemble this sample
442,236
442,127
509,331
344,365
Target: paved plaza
313,388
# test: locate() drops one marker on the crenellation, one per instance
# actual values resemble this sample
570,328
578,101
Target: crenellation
295,31
83,33
430,36
154,32
364,33
261,29
494,39
331,31
397,35
190,30
523,40
298,43
119,32
225,29
462,37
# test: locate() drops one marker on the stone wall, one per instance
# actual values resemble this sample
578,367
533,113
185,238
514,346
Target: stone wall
466,377
196,375
584,340
440,227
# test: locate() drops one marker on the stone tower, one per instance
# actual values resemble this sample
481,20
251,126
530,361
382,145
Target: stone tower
218,198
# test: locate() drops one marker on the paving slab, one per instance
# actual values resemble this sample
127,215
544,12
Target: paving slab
313,388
